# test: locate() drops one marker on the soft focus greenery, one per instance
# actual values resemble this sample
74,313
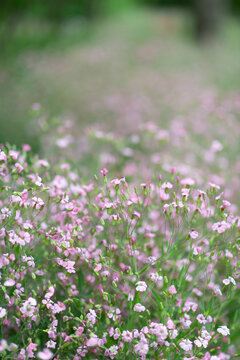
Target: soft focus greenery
71,68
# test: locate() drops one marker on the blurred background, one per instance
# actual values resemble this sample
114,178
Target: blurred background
115,63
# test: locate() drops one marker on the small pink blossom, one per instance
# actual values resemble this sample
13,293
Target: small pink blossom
141,286
186,345
170,324
187,181
201,319
136,214
93,341
9,282
193,234
3,312
46,354
223,330
127,336
139,308
172,290
19,168
98,267
229,280
141,348
29,307
37,202
13,154
221,227
104,171
3,156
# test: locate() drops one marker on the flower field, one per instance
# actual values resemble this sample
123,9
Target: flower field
124,244
142,265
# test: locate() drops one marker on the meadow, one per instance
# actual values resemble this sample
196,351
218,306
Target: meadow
119,191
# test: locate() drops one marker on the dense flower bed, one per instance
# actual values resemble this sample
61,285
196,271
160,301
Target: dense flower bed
111,268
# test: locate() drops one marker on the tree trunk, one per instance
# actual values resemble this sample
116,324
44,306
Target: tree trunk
207,14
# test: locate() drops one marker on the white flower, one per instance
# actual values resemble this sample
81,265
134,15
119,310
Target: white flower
186,344
223,330
226,281
166,185
199,342
173,334
46,354
201,319
51,344
141,286
2,312
9,282
229,280
232,280
91,316
28,307
155,277
139,308
217,291
162,332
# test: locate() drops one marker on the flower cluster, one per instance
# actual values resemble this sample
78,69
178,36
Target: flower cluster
114,268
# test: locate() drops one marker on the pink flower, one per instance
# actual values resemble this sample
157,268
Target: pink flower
229,280
37,202
19,168
214,186
193,234
64,141
30,349
3,156
26,147
3,345
166,185
29,307
141,348
216,146
186,344
223,330
207,356
139,308
93,341
112,351
46,354
221,227
173,334
9,282
199,342
50,292
170,324
115,333
14,154
201,319
116,182
127,336
162,332
141,286
136,214
92,316
187,181
104,171
3,312
2,233
185,192
98,267
172,290
79,331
